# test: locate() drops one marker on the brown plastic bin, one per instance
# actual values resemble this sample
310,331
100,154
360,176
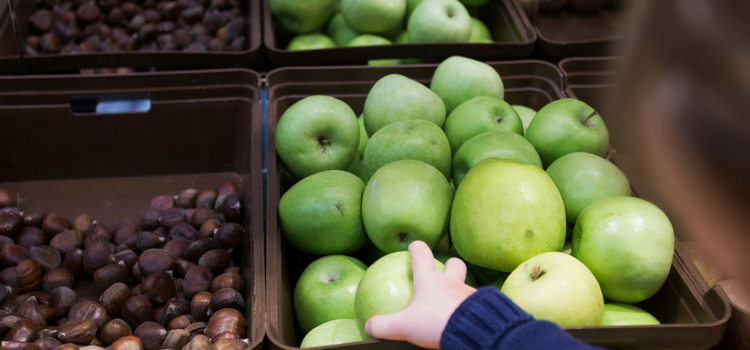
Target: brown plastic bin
590,70
110,165
513,34
161,60
9,56
691,321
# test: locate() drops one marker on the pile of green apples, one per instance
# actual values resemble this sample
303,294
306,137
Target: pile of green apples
378,22
525,198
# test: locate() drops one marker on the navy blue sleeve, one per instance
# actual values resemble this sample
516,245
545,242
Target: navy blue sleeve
488,320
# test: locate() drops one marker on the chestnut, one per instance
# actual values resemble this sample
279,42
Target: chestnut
186,198
176,247
217,260
13,254
34,219
137,272
202,215
161,202
158,287
47,343
6,293
23,330
174,216
195,250
8,276
96,256
137,310
208,228
50,332
50,315
184,232
97,232
73,261
61,300
180,322
111,274
197,328
41,297
82,222
6,241
127,257
229,235
205,199
231,207
136,290
155,260
47,257
228,280
176,339
30,310
113,299
67,240
226,320
174,308
126,237
150,219
10,224
127,343
31,237
7,321
88,310
57,278
199,342
182,267
79,332
149,240
226,298
161,231
223,191
126,224
7,199
199,306
197,280
114,330
151,334
18,345
228,342
54,224
28,275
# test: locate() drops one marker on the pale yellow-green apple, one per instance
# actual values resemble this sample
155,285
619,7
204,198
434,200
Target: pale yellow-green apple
322,214
363,137
627,315
459,79
312,41
568,247
506,212
474,2
373,16
496,144
478,116
410,139
334,332
628,244
439,21
406,201
396,98
566,126
583,179
386,287
339,31
558,288
302,16
479,32
325,290
443,258
526,114
315,134
374,40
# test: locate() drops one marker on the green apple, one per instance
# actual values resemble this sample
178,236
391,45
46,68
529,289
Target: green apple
396,98
386,287
444,247
332,333
374,40
478,116
526,114
312,41
410,6
373,16
443,258
322,215
583,179
409,139
474,2
402,38
363,138
316,134
459,79
628,244
325,290
406,201
567,126
479,32
439,21
558,288
340,31
627,315
302,16
504,213
496,144
568,247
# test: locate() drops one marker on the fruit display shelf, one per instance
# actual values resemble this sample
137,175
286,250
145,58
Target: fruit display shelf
689,319
195,130
161,60
513,35
589,70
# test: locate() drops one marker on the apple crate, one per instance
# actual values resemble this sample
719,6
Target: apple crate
590,70
513,36
161,60
197,130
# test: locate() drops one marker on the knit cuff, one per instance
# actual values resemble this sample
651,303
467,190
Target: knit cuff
481,321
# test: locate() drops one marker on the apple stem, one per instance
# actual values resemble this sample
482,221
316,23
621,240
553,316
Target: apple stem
537,273
609,155
589,117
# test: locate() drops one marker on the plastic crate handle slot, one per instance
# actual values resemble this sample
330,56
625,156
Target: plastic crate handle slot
110,104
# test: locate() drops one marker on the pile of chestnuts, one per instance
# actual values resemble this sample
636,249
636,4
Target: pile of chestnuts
84,26
166,281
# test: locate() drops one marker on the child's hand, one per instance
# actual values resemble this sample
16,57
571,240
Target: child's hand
436,296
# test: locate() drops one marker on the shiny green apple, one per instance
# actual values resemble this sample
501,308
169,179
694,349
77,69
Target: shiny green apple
479,32
339,31
439,21
459,79
334,332
478,116
526,114
363,137
627,315
497,144
302,16
396,98
312,41
373,16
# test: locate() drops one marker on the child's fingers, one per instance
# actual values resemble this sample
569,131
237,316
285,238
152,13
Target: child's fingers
389,327
455,269
422,261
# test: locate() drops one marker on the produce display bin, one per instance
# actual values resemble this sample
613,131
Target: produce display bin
691,321
590,70
161,60
110,166
513,36
9,55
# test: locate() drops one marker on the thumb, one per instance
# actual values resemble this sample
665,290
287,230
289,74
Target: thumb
387,326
